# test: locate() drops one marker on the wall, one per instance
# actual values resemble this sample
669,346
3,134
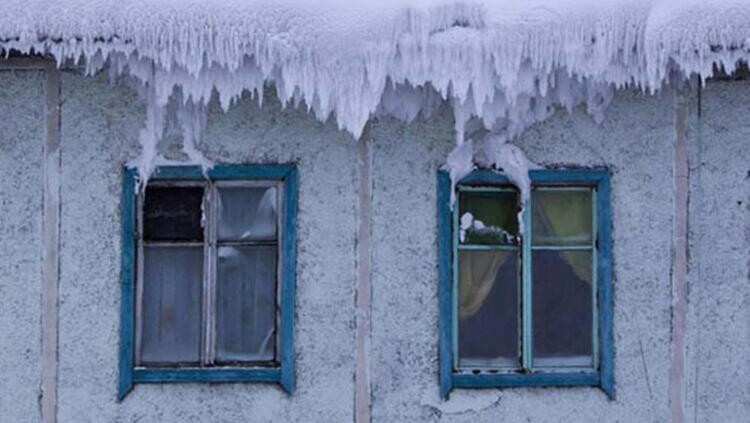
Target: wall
21,140
100,125
717,370
635,142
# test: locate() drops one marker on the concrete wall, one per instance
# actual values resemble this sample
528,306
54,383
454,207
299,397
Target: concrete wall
718,371
100,125
21,138
635,142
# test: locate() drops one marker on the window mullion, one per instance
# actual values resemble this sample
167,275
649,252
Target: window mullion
208,272
454,286
140,258
595,279
526,336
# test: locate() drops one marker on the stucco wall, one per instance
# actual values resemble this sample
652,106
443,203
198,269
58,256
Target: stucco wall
21,139
635,142
717,367
100,125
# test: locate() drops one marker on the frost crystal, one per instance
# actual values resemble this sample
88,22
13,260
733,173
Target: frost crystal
508,63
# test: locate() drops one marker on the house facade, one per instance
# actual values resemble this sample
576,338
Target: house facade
367,224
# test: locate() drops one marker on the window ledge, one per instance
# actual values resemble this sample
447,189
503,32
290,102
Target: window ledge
508,380
226,374
209,375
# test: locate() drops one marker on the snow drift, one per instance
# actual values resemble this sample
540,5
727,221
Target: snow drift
504,63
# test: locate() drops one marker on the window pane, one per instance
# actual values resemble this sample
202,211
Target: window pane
488,309
562,308
171,308
246,304
173,214
247,214
488,217
561,217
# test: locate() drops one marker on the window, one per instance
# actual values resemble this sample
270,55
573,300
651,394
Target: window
208,276
520,313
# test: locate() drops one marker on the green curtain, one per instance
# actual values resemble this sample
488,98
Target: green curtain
559,218
566,217
477,271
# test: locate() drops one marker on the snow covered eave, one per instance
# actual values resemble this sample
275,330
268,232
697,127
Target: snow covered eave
504,64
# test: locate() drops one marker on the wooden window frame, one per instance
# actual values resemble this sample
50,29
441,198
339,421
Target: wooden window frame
601,374
286,179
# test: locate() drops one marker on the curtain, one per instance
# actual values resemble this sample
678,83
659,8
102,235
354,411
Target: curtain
562,217
565,218
477,271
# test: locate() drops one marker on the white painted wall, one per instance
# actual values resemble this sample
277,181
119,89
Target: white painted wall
100,124
635,142
21,139
718,368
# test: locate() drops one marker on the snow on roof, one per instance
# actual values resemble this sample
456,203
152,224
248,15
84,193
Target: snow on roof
507,62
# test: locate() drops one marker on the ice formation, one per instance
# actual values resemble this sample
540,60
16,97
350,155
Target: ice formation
506,63
468,224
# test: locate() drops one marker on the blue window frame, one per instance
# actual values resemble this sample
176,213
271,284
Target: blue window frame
491,316
273,367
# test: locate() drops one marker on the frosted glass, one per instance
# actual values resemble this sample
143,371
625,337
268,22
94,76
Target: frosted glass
247,214
246,304
171,308
488,309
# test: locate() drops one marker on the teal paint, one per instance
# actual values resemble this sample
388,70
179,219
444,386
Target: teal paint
604,279
127,285
288,278
485,380
488,247
127,282
284,373
224,172
527,360
603,376
445,282
208,375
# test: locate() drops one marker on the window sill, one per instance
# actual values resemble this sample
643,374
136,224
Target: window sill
210,375
510,380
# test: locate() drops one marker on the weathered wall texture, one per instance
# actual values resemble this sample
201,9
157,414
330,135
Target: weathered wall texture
718,368
635,142
21,138
100,125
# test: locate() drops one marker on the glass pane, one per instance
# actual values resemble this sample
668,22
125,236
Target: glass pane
562,308
488,217
488,309
171,308
561,217
173,214
246,304
247,214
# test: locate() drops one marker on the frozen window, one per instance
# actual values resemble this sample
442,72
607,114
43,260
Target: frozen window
526,304
208,276
491,332
208,283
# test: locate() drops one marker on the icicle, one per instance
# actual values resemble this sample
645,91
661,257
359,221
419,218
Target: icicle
149,138
192,119
460,163
495,153
509,63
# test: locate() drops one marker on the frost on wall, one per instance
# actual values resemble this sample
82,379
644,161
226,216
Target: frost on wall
505,63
